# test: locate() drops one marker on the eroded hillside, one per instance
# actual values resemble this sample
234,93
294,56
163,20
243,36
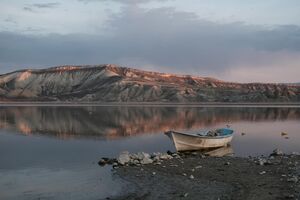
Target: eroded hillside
110,83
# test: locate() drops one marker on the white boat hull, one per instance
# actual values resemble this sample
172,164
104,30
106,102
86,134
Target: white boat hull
185,142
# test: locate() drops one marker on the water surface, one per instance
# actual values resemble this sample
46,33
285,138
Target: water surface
52,152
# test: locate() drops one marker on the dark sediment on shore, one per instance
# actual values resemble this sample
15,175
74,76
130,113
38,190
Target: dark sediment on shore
197,177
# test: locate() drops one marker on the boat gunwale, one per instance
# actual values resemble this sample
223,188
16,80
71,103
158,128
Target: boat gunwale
200,136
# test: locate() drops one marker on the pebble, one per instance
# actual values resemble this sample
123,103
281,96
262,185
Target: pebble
184,174
153,173
185,195
198,167
262,172
293,179
291,196
227,163
192,177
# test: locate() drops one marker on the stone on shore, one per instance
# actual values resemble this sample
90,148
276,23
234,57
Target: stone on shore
277,152
124,158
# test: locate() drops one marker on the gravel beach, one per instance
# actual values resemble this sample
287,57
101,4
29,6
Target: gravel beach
195,176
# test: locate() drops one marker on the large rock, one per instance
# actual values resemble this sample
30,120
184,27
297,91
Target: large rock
124,158
146,161
144,158
142,155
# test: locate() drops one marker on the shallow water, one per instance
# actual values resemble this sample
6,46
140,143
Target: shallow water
52,152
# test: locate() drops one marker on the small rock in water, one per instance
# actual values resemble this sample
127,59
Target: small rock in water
227,163
283,133
153,173
198,167
102,162
192,177
184,174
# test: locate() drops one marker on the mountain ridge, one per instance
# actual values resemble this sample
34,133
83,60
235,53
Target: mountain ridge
112,83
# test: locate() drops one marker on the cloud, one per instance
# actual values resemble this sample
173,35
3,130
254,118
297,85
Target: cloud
126,2
32,7
27,8
164,39
45,5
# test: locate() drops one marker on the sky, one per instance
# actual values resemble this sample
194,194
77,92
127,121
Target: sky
233,40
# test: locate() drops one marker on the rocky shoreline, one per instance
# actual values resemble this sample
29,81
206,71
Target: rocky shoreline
193,175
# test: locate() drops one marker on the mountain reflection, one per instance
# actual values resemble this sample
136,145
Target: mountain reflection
115,122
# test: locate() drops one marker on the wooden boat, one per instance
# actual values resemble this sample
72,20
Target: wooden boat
201,140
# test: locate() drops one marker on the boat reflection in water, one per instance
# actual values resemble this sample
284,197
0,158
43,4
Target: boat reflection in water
219,152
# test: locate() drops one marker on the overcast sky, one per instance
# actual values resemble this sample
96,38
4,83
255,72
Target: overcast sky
235,40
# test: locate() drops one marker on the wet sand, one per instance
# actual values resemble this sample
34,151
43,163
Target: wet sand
198,177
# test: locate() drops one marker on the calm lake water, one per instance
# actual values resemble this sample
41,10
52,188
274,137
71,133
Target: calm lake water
52,152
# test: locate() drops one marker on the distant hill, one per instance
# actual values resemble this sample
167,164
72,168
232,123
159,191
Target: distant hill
111,83
294,84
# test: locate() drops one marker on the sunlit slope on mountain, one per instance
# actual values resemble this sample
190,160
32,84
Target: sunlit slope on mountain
110,83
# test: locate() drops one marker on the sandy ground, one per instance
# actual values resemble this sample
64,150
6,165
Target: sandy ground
198,177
